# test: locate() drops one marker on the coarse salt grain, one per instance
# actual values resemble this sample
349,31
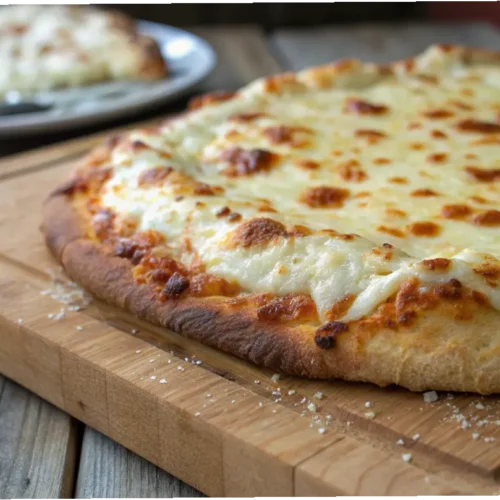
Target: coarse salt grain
153,377
311,406
321,430
370,414
256,381
20,321
197,414
291,392
318,395
475,436
180,368
489,439
406,457
79,328
431,396
275,378
416,437
400,442
163,381
368,404
479,406
138,351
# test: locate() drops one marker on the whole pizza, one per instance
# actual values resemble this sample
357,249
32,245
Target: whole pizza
47,47
340,222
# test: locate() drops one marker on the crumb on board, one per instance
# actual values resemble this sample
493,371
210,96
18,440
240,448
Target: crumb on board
431,396
79,328
311,406
370,414
291,392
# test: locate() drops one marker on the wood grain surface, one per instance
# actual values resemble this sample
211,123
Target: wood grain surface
210,425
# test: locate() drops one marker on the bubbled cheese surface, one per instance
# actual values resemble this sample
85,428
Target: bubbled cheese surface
408,149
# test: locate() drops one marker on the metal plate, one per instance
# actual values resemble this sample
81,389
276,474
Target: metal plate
190,59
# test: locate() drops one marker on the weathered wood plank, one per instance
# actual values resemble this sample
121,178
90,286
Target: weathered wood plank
38,446
298,49
108,470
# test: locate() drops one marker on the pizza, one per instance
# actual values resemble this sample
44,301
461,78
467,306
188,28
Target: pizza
48,47
339,222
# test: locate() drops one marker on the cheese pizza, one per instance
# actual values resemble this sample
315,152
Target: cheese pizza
340,222
46,47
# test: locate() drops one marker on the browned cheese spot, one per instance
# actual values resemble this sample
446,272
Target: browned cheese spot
259,231
438,114
291,307
424,192
371,136
351,171
478,127
457,212
382,161
361,107
487,218
247,117
341,306
209,99
424,229
483,174
490,271
437,157
462,105
90,181
395,212
391,230
438,134
398,180
324,197
416,146
154,176
207,285
283,134
247,162
307,164
325,334
438,264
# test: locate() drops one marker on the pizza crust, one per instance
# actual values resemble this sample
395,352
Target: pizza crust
452,346
437,352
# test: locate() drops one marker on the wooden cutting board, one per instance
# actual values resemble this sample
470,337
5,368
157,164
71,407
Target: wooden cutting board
218,423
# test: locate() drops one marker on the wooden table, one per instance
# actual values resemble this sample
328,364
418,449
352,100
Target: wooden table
45,453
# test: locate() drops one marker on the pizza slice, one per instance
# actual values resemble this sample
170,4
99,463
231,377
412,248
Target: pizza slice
48,47
340,222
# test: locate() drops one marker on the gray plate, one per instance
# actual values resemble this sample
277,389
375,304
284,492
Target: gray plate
190,60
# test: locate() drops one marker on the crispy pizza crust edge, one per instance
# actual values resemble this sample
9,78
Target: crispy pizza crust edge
437,351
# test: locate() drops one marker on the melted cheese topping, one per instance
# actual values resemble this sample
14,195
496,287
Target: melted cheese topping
400,148
45,47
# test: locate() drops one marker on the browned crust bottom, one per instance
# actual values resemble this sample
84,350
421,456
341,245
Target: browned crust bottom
438,352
